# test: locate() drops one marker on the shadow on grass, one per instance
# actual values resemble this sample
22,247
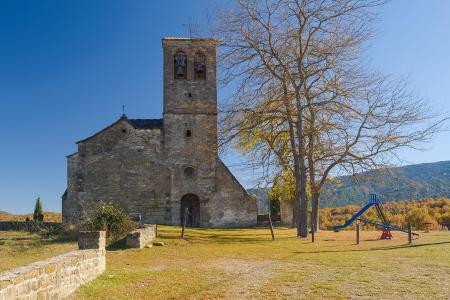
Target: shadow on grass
18,239
373,249
61,239
227,235
117,245
219,239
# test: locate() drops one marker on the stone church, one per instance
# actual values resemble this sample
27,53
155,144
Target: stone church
155,168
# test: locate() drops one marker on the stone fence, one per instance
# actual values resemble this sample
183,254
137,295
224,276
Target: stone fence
28,226
139,237
60,276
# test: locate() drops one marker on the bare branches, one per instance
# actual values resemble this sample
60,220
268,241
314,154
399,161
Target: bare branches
304,103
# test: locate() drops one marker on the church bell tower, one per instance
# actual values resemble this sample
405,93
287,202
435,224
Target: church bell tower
190,117
190,76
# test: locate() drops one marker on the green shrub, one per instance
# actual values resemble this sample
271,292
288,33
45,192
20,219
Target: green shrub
274,207
49,232
38,215
113,220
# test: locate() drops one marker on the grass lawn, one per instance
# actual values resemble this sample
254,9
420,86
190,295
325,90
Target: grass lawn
22,248
246,264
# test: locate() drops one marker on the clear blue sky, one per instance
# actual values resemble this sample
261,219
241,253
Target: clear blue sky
66,68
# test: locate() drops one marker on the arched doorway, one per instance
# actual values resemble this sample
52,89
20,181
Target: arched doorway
192,203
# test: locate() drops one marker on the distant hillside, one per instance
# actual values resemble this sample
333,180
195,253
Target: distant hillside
48,217
430,180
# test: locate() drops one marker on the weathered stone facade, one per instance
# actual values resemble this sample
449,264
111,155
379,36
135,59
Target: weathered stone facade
159,167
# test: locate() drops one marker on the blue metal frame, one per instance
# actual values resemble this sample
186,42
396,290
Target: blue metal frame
372,202
385,226
355,217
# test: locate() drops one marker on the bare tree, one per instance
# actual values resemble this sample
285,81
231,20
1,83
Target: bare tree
365,131
303,104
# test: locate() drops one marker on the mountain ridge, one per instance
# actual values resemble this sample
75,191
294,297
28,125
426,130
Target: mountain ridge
410,182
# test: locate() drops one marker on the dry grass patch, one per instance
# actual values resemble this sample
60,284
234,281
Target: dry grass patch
246,264
22,248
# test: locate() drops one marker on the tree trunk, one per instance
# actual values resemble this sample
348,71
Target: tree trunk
301,179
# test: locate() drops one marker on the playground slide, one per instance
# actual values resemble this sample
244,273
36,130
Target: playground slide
390,227
355,217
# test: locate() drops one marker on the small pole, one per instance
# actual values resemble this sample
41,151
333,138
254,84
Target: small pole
409,233
156,230
184,222
271,228
312,230
357,233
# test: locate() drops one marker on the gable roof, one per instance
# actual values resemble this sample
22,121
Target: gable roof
136,123
146,123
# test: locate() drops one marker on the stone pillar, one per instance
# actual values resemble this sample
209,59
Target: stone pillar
139,237
92,240
287,213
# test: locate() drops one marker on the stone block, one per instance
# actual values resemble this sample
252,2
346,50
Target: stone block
140,237
92,240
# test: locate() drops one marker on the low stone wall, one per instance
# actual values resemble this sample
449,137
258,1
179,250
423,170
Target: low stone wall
141,236
57,277
27,226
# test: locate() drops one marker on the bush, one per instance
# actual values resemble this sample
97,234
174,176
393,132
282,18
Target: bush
113,220
49,232
38,215
274,207
418,217
445,221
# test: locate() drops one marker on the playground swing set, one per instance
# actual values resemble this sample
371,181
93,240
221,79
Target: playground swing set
383,223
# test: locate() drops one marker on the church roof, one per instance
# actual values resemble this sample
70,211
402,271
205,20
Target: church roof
146,123
136,123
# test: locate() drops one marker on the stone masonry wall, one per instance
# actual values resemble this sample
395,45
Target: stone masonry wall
140,237
231,205
190,95
27,226
54,278
122,165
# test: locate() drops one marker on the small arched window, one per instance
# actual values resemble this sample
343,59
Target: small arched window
189,172
200,65
180,65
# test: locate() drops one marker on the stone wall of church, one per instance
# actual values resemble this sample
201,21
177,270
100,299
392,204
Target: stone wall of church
190,95
122,165
231,205
142,171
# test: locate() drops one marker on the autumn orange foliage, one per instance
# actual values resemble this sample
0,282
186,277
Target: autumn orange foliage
431,213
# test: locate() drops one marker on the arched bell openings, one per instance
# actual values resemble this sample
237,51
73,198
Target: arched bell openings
200,65
180,65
